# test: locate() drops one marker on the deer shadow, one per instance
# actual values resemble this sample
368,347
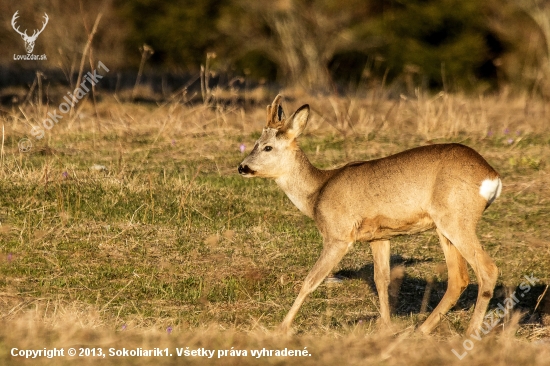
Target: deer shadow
412,295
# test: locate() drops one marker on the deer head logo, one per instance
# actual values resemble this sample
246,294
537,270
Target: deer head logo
29,40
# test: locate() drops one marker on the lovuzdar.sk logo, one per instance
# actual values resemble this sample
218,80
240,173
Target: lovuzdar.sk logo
29,40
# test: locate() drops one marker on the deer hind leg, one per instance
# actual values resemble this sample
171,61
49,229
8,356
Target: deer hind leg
381,258
464,238
486,273
332,253
457,281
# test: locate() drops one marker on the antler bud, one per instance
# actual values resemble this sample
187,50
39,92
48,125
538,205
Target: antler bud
275,114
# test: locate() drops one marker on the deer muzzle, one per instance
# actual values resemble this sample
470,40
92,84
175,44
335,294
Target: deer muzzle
245,170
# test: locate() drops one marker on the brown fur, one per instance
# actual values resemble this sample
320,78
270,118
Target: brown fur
435,186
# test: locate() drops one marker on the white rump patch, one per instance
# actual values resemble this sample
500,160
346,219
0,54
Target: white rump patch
490,189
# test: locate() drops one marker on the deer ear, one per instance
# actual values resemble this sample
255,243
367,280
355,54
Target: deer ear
297,122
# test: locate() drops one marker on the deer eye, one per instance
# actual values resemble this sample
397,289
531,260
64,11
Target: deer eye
268,148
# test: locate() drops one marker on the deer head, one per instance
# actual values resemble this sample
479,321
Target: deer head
275,151
29,40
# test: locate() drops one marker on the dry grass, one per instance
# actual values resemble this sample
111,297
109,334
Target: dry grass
169,236
80,327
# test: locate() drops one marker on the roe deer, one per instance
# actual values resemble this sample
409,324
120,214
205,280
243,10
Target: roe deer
442,186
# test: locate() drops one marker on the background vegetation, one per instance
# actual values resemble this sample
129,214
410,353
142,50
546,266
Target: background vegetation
128,226
320,45
129,222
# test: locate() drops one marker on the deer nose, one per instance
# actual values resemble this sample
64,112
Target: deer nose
244,169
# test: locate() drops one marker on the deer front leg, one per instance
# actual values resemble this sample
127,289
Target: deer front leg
381,258
332,253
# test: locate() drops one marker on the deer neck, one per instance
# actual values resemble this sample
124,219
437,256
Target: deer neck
303,182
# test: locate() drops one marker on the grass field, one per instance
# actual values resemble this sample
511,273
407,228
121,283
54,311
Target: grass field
128,226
